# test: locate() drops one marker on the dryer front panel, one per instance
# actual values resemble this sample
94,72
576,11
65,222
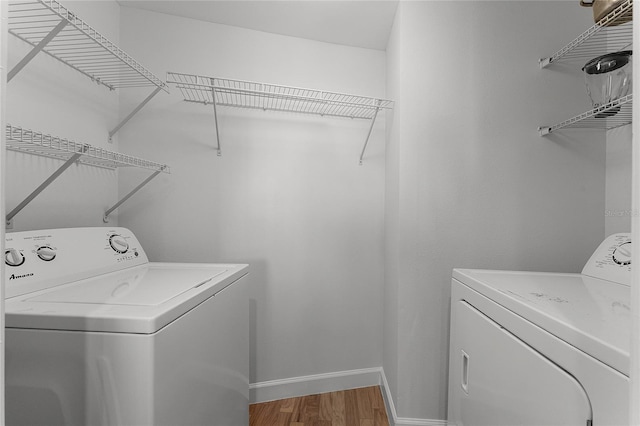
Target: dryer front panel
497,379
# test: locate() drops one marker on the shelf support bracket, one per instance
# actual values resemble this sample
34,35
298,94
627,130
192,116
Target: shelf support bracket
543,131
215,119
36,49
43,185
105,218
134,112
373,120
544,62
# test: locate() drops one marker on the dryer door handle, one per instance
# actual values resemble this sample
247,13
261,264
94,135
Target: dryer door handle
464,382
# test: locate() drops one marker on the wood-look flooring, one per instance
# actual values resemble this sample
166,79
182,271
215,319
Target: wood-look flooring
354,407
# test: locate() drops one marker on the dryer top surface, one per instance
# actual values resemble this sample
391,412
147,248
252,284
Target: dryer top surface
591,314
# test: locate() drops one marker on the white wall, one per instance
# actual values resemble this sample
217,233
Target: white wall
50,97
287,196
475,186
618,181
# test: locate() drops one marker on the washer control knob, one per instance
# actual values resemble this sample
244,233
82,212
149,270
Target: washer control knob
13,257
118,243
622,254
46,253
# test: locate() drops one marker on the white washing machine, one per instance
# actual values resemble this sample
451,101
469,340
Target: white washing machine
532,348
98,335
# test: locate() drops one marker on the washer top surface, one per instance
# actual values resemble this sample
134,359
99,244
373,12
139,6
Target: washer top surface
142,286
100,279
140,300
591,314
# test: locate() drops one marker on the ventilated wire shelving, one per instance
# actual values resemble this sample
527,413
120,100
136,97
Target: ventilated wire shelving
606,117
271,97
28,141
612,33
49,27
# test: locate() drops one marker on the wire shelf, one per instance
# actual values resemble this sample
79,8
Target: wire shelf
614,114
612,33
24,140
246,94
48,26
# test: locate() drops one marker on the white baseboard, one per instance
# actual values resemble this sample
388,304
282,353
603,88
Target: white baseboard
393,415
331,382
310,385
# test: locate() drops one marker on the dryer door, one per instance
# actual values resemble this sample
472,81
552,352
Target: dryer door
497,379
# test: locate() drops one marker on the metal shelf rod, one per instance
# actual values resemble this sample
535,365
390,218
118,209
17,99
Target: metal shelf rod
43,186
32,54
215,118
130,194
134,112
366,141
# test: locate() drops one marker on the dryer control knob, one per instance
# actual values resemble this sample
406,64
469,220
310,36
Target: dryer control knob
622,254
46,253
13,257
118,243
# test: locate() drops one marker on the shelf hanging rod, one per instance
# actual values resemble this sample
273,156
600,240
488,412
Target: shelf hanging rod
134,112
105,219
44,185
36,49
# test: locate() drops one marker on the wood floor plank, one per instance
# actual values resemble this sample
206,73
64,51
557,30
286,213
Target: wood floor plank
287,405
380,417
325,407
311,408
353,407
338,417
376,397
365,410
266,414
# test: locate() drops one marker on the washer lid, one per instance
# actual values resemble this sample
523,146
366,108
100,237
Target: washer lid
142,299
140,287
590,314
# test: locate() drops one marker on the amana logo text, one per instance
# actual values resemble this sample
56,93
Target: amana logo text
15,277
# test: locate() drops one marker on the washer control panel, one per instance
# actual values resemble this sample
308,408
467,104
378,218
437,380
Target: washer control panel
41,259
612,260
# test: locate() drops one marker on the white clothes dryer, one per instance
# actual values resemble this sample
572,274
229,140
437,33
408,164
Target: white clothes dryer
98,335
530,348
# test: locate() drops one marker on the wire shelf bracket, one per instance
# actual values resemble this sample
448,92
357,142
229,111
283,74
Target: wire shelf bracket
42,187
606,117
49,27
28,141
611,33
270,97
110,210
215,120
134,112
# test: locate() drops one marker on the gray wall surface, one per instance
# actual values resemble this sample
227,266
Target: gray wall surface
287,195
469,183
